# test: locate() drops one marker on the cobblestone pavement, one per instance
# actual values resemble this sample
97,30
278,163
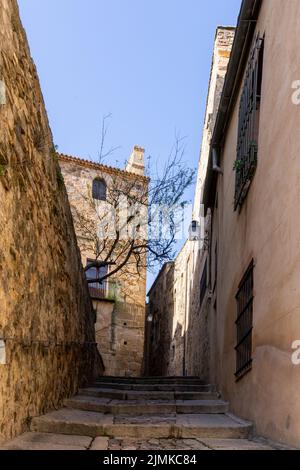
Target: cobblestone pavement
185,444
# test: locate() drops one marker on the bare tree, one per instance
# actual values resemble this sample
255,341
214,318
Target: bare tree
103,152
136,226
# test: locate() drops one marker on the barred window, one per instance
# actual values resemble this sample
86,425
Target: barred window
244,324
216,266
99,189
248,128
203,283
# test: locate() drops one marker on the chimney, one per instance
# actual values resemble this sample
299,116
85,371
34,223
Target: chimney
136,162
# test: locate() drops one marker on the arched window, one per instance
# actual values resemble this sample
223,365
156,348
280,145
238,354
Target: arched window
99,189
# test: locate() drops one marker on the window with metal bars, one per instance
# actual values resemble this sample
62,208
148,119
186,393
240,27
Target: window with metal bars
99,189
203,283
244,324
248,127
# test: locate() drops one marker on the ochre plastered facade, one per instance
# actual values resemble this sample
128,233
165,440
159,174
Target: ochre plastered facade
265,230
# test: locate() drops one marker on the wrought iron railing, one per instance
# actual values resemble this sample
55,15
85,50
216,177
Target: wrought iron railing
203,284
105,290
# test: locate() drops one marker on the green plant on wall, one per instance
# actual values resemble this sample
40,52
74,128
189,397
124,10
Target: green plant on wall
53,151
2,169
238,165
59,177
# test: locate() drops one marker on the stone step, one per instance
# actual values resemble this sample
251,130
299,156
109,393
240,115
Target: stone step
152,377
39,441
146,395
146,407
87,423
155,387
151,380
46,441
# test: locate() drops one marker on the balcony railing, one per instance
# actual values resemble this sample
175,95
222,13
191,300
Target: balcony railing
105,290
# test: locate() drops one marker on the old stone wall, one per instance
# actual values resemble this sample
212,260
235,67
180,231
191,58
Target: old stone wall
159,338
190,346
120,336
120,318
46,316
193,265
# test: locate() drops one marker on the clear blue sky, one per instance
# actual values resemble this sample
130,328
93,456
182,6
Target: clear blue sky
145,61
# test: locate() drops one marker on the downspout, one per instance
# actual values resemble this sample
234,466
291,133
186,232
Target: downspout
215,162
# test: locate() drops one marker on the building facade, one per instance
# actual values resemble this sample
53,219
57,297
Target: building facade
186,317
243,324
254,224
100,218
47,330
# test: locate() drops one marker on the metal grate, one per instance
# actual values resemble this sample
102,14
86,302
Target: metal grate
247,146
244,324
105,290
203,283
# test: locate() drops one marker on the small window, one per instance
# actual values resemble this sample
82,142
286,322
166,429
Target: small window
96,272
244,324
248,127
99,189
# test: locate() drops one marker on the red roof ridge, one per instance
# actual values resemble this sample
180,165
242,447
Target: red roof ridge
100,166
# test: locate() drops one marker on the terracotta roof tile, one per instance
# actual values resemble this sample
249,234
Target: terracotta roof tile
99,166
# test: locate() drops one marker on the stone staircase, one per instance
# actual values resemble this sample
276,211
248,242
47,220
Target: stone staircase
117,413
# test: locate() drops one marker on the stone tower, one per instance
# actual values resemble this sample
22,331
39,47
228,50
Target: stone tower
136,162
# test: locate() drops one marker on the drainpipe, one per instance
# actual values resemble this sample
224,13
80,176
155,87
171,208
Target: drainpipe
185,318
215,162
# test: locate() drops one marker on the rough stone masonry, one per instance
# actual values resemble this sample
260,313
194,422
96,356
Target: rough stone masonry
46,317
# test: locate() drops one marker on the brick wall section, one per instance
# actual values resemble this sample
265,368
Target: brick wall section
46,315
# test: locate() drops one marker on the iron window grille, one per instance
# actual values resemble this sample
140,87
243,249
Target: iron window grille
203,284
244,324
248,127
216,267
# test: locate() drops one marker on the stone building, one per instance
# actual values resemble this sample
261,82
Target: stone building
181,314
120,299
47,334
252,202
248,341
158,334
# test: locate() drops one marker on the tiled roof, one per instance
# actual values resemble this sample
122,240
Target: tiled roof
101,167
